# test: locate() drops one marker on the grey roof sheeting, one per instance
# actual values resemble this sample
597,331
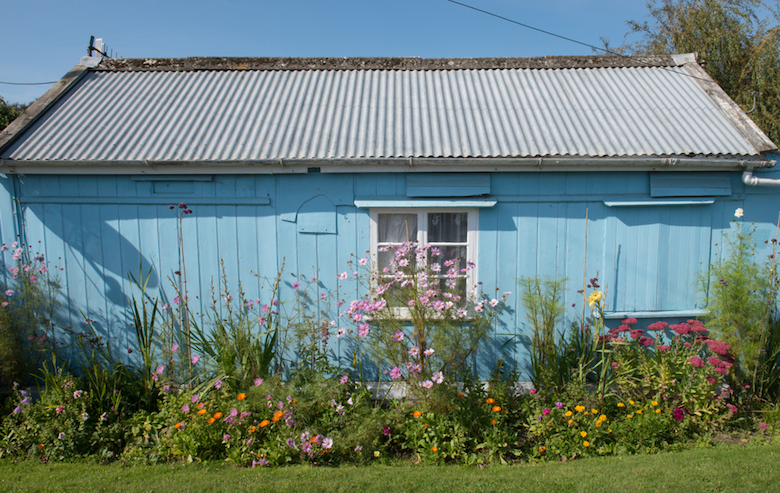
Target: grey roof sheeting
169,114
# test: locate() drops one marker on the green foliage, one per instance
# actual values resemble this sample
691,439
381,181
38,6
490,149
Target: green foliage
741,301
9,112
740,51
145,324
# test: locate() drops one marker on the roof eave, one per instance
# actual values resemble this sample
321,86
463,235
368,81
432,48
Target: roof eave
385,165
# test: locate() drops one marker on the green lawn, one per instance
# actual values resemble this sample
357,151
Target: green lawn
727,469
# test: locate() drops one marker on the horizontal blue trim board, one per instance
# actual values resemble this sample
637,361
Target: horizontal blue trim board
172,178
651,203
420,203
447,185
621,199
670,314
145,200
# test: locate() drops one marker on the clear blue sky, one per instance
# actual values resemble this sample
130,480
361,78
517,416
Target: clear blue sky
43,39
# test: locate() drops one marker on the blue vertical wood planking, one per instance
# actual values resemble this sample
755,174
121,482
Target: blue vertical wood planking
98,228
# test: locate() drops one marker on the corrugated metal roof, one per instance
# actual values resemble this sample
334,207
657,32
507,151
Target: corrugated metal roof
226,115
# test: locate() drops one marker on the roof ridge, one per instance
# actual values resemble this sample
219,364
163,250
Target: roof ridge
383,63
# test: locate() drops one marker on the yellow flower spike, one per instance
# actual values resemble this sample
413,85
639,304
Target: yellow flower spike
620,404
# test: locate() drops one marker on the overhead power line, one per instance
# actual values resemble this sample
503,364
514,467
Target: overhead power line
609,52
28,83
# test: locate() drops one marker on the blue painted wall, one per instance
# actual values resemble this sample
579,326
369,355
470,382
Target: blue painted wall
97,229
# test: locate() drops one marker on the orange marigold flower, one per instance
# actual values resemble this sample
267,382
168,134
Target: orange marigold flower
494,421
620,404
496,409
417,414
277,416
217,415
460,395
435,448
177,425
202,412
264,423
639,411
241,396
568,413
586,443
579,409
211,420
490,400
252,429
657,411
425,425
631,402
542,449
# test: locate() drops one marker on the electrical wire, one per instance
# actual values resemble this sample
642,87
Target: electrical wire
569,39
28,83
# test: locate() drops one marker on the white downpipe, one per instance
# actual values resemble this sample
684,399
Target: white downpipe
749,179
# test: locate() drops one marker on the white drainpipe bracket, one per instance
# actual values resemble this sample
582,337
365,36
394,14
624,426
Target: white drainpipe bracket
749,179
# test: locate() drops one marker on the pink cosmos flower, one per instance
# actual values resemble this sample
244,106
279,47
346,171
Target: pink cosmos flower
218,384
429,351
195,358
344,379
327,442
9,292
258,382
185,409
343,276
437,377
296,285
160,369
427,384
174,348
395,373
398,336
363,329
414,351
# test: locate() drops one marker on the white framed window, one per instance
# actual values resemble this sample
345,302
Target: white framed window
452,231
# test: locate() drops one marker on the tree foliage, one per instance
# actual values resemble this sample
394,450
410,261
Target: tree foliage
739,49
8,112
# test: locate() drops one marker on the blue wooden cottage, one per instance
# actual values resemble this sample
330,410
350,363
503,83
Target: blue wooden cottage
315,161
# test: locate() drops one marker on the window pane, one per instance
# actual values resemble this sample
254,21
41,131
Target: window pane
396,228
451,227
450,253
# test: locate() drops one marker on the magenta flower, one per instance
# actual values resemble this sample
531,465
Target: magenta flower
559,405
646,341
174,348
258,382
225,437
160,369
296,285
195,358
185,409
545,411
60,409
696,362
395,373
218,384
